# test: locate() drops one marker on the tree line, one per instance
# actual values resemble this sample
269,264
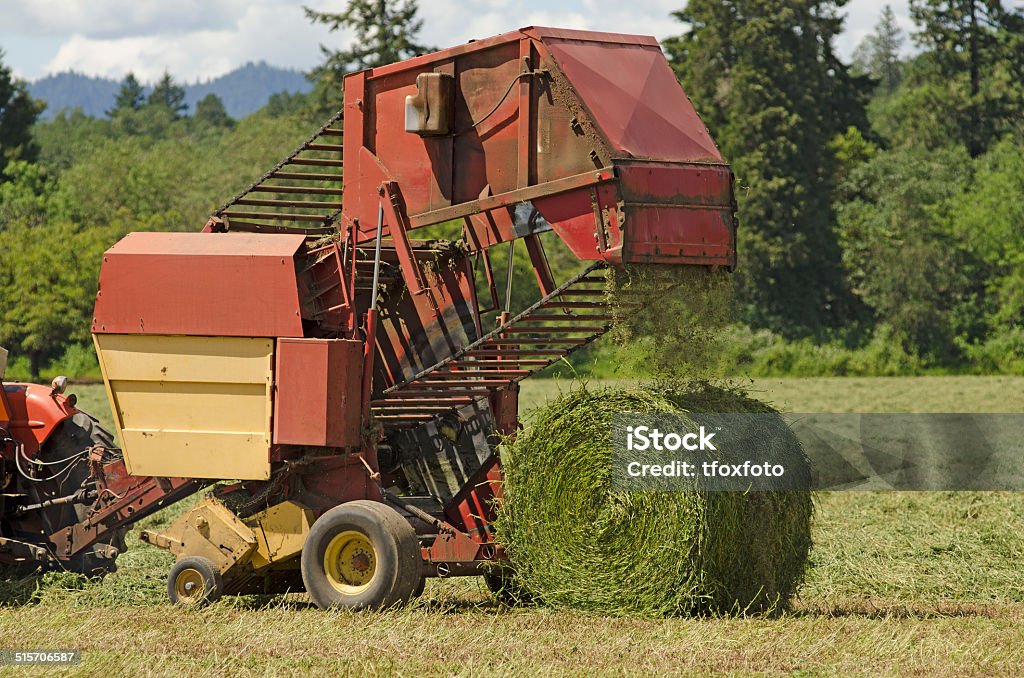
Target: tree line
881,225
879,201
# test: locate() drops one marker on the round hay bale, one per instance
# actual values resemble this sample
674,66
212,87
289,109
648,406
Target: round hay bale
574,542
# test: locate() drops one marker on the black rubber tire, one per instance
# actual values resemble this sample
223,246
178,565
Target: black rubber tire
396,549
213,584
79,433
418,591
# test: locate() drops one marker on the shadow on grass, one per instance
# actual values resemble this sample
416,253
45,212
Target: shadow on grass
17,590
25,586
445,605
888,610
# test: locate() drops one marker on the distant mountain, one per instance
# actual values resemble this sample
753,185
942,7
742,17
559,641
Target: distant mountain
248,87
69,90
243,90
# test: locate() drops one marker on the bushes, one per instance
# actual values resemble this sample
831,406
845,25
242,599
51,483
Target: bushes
1002,353
764,354
48,282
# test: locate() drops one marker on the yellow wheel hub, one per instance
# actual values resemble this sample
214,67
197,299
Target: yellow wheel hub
350,562
189,586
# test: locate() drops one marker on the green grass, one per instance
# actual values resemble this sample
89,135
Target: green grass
854,394
92,398
900,584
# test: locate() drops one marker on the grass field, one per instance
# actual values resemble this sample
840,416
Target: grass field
900,583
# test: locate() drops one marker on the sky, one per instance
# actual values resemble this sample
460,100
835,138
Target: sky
202,39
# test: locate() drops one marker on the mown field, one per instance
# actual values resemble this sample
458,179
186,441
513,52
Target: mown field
900,583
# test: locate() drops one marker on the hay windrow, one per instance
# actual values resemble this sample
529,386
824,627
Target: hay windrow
574,543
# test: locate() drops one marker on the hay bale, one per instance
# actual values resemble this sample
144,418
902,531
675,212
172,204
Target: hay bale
576,543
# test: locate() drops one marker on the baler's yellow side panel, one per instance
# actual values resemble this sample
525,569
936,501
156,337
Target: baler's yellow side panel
190,407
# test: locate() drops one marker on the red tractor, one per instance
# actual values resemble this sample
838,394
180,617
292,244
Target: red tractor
46,448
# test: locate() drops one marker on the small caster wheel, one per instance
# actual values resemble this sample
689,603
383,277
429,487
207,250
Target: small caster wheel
193,582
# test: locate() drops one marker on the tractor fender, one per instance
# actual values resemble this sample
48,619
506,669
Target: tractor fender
35,412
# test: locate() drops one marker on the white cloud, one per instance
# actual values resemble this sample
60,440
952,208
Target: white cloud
118,18
198,39
267,31
450,22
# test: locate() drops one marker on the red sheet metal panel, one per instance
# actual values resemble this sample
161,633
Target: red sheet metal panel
207,284
5,409
317,392
33,413
572,217
433,172
670,214
678,235
677,214
692,185
634,97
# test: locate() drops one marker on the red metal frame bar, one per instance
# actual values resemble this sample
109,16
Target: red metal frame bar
468,209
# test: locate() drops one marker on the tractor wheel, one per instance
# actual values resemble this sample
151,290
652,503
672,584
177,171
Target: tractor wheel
420,587
362,555
194,581
66,457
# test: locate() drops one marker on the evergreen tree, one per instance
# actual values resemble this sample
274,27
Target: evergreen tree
878,54
765,78
129,97
385,32
18,112
168,94
976,47
210,111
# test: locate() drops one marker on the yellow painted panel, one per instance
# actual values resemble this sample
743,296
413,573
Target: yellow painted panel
140,357
280,533
228,408
189,454
190,407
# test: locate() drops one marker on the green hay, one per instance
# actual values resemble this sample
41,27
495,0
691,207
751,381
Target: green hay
574,543
677,331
